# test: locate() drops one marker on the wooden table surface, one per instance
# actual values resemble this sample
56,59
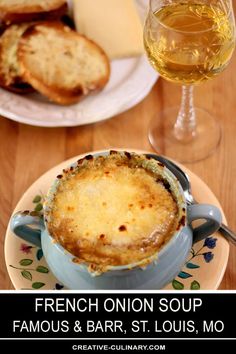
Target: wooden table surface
26,152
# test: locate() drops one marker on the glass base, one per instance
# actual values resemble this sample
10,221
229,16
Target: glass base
202,145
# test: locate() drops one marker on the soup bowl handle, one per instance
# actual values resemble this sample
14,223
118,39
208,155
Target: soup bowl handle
28,227
210,214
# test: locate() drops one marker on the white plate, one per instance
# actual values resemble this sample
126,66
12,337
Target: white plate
131,80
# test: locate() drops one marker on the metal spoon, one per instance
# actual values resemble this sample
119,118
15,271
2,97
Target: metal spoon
184,180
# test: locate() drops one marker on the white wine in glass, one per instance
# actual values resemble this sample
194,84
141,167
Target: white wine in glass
188,42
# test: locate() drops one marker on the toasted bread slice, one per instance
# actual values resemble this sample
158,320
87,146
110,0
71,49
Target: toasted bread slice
60,63
10,76
17,11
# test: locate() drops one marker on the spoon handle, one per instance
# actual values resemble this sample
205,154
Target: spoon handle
229,234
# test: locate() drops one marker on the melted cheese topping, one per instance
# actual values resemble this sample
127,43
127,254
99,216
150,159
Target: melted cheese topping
111,212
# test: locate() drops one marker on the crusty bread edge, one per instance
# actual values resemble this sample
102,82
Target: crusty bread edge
18,86
52,93
8,18
19,90
59,95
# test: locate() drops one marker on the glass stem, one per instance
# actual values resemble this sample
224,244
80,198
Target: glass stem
185,126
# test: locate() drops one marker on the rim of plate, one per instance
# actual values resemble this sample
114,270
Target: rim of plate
74,120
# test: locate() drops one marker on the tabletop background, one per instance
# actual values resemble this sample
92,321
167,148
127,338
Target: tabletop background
27,152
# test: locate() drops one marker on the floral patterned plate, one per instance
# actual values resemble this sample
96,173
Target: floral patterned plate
27,268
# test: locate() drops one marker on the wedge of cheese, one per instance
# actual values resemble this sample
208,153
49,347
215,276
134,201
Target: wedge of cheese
114,24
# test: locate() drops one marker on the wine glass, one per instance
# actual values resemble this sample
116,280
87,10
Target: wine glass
188,42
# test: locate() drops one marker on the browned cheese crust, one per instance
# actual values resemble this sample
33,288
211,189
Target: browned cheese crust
111,211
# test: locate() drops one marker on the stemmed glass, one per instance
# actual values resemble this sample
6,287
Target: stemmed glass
188,42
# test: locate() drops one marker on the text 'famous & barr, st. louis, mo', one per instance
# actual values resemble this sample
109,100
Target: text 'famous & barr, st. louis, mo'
153,316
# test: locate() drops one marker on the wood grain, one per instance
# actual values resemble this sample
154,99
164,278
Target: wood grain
26,152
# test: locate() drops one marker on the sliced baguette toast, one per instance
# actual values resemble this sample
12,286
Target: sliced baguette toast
10,76
18,11
61,64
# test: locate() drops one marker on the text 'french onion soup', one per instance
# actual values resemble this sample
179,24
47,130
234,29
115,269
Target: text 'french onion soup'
113,210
